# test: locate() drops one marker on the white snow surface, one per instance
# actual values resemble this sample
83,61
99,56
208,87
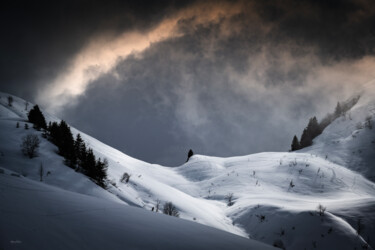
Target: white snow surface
40,216
350,140
275,194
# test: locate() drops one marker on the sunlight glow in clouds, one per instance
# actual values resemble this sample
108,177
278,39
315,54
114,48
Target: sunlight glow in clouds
102,53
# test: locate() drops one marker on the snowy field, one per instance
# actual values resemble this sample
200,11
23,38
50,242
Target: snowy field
275,195
38,216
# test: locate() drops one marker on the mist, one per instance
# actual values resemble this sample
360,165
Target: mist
222,78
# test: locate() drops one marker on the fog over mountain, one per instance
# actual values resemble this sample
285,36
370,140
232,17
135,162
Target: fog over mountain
221,77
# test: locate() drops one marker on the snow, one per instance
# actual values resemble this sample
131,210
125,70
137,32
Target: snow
58,219
266,206
348,141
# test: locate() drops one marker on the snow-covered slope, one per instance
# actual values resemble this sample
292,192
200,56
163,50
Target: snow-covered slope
350,139
38,216
275,195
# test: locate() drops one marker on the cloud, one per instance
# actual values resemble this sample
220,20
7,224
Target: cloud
171,100
221,77
103,52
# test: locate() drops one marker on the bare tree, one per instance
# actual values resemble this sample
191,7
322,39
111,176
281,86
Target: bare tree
170,209
229,198
29,145
41,171
157,205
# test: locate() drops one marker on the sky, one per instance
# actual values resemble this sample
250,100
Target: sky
156,78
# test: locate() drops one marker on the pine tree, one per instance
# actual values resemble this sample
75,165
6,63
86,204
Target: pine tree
295,144
89,164
310,132
314,127
76,153
338,110
306,139
100,172
54,133
80,150
190,154
66,144
62,137
37,118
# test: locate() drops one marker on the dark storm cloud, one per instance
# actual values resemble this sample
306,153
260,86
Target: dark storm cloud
169,100
338,29
39,38
226,78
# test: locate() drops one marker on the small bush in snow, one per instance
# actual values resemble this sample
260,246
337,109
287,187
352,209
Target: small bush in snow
29,145
113,183
321,209
170,209
125,178
291,184
229,199
261,217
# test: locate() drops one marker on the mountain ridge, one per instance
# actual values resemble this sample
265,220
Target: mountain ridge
269,189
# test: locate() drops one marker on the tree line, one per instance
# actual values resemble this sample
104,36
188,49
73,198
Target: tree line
314,128
74,150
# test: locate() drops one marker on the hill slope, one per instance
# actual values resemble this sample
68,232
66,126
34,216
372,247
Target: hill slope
58,219
275,195
350,139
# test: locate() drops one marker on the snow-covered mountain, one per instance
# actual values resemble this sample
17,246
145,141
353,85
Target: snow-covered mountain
68,211
350,139
275,195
